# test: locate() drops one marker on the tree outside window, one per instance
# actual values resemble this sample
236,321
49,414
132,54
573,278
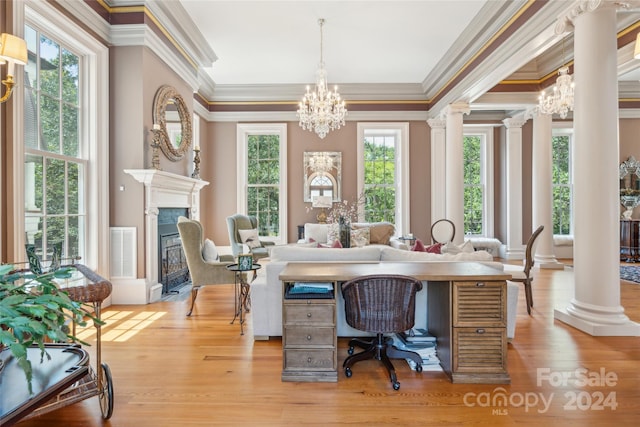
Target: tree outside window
562,184
473,185
263,182
380,178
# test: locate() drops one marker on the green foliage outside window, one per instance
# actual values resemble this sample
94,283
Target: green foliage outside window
473,186
379,179
54,184
263,181
561,180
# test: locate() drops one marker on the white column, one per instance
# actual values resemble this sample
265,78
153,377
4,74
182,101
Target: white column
542,191
514,247
596,308
454,169
438,169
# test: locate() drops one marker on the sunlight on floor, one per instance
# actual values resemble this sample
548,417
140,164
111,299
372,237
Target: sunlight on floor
120,325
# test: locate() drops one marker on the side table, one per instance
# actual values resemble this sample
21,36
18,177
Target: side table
242,299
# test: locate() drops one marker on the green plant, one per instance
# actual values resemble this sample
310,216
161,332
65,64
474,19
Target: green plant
33,311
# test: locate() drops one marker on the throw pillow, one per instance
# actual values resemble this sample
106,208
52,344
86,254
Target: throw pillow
333,233
250,238
434,249
467,247
450,248
418,246
209,251
381,232
359,237
336,244
317,232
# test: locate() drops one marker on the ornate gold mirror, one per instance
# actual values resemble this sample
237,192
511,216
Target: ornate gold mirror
172,115
322,175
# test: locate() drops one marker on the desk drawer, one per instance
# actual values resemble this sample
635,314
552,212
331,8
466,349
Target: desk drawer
309,336
310,360
479,350
309,314
479,304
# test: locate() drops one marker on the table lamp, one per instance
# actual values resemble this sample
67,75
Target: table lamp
322,202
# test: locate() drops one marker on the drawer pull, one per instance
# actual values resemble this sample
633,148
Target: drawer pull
308,337
480,331
308,315
480,285
308,360
308,301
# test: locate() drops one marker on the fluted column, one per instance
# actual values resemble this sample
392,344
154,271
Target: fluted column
514,247
454,169
596,308
542,191
438,156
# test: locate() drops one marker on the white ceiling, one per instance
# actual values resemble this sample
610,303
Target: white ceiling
278,42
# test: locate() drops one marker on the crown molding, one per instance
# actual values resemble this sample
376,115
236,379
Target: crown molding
274,116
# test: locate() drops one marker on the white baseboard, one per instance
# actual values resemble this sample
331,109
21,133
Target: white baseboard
129,291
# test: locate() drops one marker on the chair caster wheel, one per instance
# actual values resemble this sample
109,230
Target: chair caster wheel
418,368
350,351
347,372
396,386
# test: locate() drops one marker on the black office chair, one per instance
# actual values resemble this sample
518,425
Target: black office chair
380,304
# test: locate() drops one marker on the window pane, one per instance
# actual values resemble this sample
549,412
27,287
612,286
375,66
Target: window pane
55,186
69,77
49,67
473,185
55,232
50,123
33,183
73,186
561,178
70,131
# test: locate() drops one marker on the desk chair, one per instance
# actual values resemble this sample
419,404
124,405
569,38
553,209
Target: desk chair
380,304
522,274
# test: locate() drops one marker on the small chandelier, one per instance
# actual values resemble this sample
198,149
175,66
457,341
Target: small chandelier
321,110
560,101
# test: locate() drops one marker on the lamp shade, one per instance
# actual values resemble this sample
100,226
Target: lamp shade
322,202
636,51
13,49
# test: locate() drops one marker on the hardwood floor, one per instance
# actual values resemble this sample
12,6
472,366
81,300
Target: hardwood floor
170,370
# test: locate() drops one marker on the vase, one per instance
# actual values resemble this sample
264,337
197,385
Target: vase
345,232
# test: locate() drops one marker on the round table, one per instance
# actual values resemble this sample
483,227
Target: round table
242,299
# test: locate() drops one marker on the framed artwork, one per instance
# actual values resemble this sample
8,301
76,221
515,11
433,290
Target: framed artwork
245,262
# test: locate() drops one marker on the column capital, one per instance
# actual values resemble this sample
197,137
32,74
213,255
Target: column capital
456,108
566,23
514,122
437,123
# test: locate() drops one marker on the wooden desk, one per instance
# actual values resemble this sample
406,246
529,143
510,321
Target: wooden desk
467,312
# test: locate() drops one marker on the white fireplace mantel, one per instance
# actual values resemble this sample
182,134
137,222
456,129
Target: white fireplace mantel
164,190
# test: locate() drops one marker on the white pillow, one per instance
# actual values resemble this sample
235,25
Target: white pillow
209,251
467,247
450,248
317,232
250,238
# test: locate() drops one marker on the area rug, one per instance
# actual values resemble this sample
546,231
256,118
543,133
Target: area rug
631,273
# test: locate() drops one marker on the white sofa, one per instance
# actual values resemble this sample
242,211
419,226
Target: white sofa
266,289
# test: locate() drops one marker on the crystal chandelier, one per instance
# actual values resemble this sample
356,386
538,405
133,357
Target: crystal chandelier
321,163
321,110
560,100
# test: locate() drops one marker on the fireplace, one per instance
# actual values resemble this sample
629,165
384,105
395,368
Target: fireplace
173,272
172,191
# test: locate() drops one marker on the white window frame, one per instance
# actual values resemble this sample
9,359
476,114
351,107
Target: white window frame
94,127
486,160
562,129
243,131
402,179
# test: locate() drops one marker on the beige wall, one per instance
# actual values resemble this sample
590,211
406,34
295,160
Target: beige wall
136,73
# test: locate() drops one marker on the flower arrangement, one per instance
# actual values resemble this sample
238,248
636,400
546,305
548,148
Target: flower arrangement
347,210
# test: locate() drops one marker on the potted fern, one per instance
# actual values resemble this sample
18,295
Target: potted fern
34,311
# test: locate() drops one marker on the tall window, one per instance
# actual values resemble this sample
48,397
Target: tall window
478,182
383,179
262,186
55,166
562,182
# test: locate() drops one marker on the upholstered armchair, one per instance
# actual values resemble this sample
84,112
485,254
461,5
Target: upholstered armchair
202,272
238,222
